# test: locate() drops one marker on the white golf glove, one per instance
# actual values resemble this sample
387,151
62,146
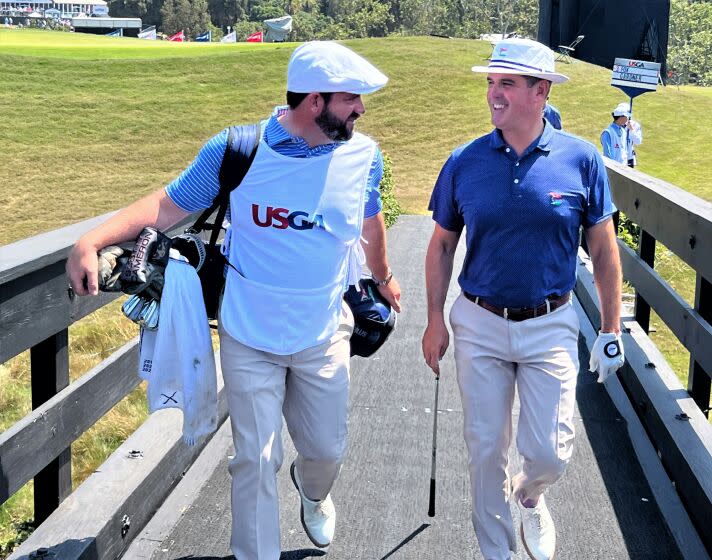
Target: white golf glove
606,355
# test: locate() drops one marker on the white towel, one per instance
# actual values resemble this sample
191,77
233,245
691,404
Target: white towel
177,359
356,261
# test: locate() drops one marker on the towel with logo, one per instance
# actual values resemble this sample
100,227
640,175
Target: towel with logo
177,359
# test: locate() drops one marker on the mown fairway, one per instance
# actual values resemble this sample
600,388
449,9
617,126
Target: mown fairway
89,123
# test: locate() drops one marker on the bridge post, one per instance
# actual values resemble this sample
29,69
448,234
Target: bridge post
698,380
50,374
646,250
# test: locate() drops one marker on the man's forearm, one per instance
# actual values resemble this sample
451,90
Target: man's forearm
608,282
155,210
607,275
438,271
374,233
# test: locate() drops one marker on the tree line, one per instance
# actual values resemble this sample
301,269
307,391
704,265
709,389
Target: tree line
689,46
337,19
689,57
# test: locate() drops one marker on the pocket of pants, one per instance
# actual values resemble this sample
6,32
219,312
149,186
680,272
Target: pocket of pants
455,311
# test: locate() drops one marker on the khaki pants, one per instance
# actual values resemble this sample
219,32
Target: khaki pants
311,389
493,355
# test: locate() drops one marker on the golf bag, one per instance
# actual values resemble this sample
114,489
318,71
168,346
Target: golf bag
239,153
140,271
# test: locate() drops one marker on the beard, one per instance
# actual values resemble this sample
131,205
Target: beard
333,127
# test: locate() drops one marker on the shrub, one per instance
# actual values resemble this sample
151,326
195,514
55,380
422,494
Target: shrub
628,231
391,208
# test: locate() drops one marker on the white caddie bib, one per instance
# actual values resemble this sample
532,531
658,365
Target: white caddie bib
295,232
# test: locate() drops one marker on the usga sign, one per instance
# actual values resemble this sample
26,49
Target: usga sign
635,74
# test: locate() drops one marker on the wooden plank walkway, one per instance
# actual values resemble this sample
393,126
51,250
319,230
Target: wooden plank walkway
603,507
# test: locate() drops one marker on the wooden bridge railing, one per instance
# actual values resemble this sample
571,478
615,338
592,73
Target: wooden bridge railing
674,417
36,310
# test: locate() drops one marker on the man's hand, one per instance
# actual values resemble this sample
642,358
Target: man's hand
606,355
436,339
82,269
392,293
112,259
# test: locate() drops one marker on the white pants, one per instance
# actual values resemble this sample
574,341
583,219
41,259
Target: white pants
311,389
492,355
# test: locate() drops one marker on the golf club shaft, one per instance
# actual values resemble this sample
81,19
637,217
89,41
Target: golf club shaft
431,506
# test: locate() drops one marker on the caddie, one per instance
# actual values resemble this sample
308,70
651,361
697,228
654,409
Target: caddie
297,219
521,192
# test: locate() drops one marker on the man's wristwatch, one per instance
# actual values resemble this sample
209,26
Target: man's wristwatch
385,281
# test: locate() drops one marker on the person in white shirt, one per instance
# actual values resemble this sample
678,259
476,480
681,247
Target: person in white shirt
635,138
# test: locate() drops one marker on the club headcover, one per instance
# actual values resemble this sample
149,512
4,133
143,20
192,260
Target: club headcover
374,319
112,260
145,268
192,247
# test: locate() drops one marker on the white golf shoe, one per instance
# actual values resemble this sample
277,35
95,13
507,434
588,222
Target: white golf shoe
538,531
318,518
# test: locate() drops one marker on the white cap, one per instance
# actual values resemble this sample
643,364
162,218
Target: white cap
622,110
330,67
524,57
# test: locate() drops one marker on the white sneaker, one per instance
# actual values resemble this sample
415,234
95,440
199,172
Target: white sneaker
538,531
318,518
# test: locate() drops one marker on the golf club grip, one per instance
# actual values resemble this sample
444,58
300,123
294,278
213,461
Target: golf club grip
431,505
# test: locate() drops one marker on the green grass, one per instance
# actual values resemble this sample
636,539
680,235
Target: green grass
90,123
84,46
91,340
103,131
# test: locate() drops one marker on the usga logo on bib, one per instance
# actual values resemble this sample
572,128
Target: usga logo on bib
283,218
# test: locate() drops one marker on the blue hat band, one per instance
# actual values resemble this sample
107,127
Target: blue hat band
510,64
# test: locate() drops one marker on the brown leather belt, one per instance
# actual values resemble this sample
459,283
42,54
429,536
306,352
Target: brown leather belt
521,313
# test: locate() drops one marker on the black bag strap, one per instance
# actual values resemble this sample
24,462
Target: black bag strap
239,153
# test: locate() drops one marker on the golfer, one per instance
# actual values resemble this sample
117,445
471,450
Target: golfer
297,220
522,192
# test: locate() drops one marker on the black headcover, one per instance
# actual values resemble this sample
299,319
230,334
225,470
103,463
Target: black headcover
373,317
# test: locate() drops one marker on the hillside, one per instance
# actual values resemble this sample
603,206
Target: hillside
90,123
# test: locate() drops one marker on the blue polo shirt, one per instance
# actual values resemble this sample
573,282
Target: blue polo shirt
196,187
522,214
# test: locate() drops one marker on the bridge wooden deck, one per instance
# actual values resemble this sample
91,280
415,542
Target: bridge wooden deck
604,508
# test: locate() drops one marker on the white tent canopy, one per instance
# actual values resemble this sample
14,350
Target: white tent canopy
278,28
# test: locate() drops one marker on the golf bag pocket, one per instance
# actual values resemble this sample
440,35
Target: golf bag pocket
209,262
212,279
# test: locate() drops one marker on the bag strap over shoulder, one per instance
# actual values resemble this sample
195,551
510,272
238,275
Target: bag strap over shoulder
239,153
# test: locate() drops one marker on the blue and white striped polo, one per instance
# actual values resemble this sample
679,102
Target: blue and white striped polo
196,187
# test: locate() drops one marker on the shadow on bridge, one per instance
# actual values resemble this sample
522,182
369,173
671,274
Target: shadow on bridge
287,555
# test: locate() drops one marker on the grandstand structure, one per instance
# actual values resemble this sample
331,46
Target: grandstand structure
66,9
84,16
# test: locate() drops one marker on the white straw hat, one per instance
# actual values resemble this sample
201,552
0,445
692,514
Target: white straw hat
326,66
524,57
